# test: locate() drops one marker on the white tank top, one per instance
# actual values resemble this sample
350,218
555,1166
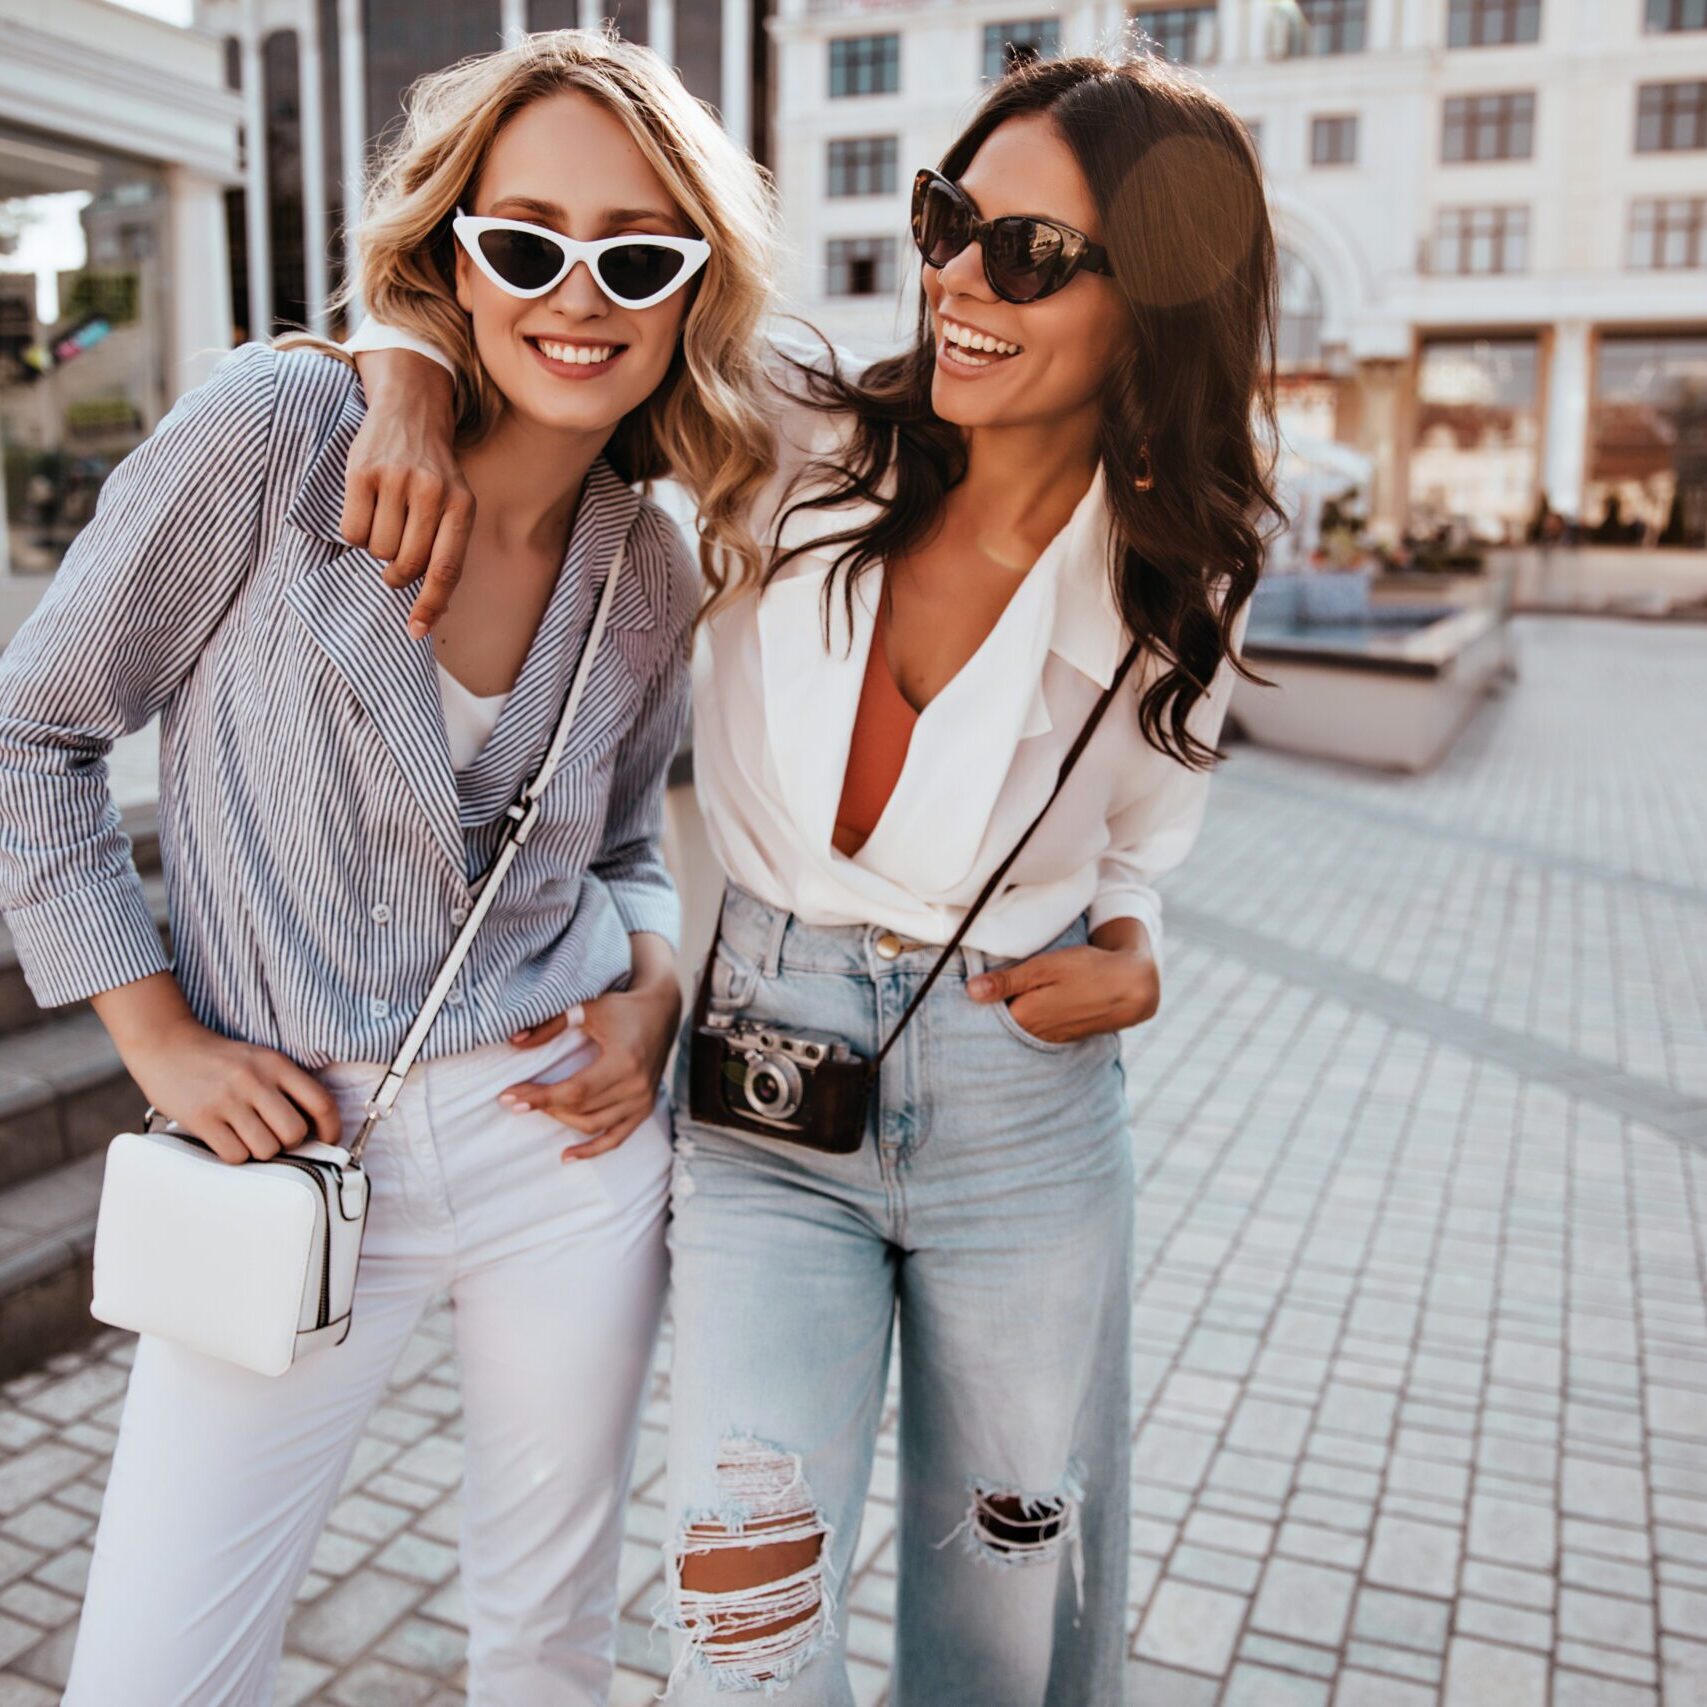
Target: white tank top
469,719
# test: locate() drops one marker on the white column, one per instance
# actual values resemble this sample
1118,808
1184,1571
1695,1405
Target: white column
199,300
352,134
661,29
1080,27
316,262
1229,32
1421,24
590,14
256,201
1565,456
512,20
737,83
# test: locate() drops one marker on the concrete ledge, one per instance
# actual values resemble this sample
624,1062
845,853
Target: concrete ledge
1396,701
63,1093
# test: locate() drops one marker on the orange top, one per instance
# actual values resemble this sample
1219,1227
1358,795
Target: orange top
882,732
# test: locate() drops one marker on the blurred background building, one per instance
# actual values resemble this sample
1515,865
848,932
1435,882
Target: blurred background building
118,143
1492,217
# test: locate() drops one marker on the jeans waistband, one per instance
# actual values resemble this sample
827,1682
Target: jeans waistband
775,939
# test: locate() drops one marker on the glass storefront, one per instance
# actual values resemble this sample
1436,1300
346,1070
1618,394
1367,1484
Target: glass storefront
83,237
1476,457
1647,475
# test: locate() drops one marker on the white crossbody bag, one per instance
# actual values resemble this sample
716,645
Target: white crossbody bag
256,1263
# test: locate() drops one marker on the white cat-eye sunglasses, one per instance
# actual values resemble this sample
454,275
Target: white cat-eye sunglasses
635,271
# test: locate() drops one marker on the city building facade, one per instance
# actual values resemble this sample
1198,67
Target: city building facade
1492,217
118,140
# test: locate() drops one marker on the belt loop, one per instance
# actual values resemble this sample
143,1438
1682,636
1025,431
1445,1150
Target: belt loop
778,929
974,958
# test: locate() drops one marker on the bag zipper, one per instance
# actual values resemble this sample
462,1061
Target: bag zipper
313,1170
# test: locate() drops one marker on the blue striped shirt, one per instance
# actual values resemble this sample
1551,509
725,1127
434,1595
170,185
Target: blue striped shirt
316,843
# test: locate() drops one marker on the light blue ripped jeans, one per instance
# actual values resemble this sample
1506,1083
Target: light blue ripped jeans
991,1207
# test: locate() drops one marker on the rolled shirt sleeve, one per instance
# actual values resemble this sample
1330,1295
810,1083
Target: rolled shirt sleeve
122,625
376,335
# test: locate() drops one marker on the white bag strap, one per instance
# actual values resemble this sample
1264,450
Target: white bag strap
522,816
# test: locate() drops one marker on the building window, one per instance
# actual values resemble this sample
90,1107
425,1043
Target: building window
1475,459
1184,34
1333,141
1671,117
865,65
1008,45
1328,26
1677,15
862,166
1667,233
1647,464
1471,240
1489,127
1298,333
1493,23
860,266
86,312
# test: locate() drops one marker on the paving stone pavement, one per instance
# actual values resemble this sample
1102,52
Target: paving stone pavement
1420,1340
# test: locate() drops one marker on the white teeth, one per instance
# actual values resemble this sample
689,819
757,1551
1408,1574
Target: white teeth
581,355
963,358
968,339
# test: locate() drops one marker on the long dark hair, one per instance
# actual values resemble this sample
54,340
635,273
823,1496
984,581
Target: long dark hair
1179,191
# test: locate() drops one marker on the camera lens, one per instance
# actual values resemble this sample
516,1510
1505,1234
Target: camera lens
772,1088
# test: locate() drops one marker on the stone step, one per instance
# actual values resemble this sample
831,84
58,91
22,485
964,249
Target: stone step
47,1241
63,1093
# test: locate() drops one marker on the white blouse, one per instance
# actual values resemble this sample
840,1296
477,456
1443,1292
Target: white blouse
773,719
774,713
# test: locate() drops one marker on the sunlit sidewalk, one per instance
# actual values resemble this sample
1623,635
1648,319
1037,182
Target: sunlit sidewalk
1421,1341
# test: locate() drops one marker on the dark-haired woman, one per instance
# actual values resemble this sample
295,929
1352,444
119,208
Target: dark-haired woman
968,539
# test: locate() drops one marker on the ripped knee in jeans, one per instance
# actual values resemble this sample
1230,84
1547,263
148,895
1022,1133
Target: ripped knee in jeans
749,1579
1006,1525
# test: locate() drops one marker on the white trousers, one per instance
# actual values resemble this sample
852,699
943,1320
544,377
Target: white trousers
222,1479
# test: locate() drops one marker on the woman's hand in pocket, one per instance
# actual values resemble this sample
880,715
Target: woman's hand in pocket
1107,985
616,1091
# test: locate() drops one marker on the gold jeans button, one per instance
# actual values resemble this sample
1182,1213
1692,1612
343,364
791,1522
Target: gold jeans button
888,944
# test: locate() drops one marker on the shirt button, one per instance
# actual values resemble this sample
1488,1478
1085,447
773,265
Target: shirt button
459,915
888,944
381,914
378,1007
454,998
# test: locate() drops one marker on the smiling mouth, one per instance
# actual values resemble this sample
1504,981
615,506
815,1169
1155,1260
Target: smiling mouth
965,346
564,354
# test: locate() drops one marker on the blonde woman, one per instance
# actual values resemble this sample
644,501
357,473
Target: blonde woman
593,254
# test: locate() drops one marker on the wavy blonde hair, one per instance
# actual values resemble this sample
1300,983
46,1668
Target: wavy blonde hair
707,424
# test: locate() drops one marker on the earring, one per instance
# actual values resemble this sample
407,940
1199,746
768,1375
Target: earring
1144,481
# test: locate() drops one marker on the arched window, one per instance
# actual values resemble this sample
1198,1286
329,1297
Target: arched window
1299,335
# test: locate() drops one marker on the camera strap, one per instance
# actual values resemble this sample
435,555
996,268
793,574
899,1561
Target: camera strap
992,884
